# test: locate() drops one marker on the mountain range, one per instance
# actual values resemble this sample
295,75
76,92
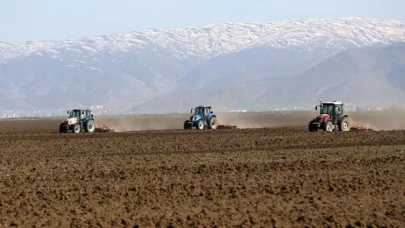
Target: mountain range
236,65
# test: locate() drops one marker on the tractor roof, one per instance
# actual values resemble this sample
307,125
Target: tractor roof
203,106
334,102
78,109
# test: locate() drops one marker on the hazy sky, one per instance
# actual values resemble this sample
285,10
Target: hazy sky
24,20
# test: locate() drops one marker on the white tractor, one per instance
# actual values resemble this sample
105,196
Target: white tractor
77,121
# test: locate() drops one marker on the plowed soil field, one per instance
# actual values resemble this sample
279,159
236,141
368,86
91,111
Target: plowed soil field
274,176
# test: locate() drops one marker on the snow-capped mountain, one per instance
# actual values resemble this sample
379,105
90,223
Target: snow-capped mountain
134,67
216,39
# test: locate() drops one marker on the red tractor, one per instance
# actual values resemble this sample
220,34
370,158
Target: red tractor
330,118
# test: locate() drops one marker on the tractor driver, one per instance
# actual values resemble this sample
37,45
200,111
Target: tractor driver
206,111
335,114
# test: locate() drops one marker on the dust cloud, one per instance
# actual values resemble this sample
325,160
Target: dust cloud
139,123
265,120
380,121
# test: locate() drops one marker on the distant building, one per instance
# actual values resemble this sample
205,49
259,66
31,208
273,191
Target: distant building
238,110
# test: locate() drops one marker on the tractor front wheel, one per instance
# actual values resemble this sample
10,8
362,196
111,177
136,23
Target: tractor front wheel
200,125
187,125
62,128
212,123
311,127
76,128
328,127
90,127
344,125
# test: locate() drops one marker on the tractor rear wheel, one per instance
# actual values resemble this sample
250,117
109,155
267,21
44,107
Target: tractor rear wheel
90,127
200,125
212,123
328,127
344,125
76,128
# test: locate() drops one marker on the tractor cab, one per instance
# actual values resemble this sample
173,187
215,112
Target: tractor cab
80,114
201,111
86,114
330,108
74,113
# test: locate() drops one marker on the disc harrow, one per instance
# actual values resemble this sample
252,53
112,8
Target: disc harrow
103,128
357,127
222,125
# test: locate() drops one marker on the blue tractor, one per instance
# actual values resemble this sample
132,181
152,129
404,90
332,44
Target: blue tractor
201,117
77,121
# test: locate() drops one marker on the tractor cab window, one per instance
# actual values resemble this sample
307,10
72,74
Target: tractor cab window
86,113
338,110
327,108
202,111
74,113
198,111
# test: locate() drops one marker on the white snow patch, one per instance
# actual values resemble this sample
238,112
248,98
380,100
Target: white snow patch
96,69
80,61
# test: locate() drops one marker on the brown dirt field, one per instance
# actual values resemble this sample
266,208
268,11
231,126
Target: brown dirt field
267,177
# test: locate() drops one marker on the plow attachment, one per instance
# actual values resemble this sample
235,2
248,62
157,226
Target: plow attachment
103,128
222,125
357,127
